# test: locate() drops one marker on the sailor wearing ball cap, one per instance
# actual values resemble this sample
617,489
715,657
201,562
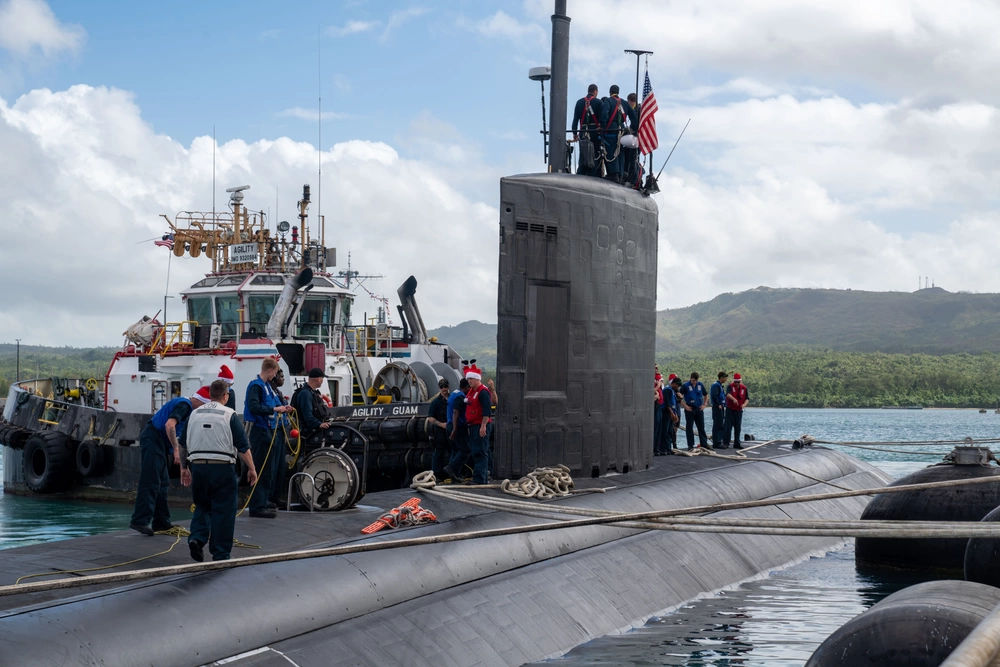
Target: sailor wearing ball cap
737,398
158,443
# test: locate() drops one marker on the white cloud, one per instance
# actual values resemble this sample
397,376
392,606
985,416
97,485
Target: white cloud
87,178
903,47
311,114
790,232
502,24
397,19
29,26
351,28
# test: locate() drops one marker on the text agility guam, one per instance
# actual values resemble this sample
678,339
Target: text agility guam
379,411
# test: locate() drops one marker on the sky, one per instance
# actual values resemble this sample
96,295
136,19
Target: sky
838,144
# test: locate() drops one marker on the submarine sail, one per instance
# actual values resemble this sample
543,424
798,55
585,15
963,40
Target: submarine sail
576,313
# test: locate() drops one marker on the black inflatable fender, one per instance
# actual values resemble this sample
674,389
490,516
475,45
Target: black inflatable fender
48,462
982,556
918,626
89,459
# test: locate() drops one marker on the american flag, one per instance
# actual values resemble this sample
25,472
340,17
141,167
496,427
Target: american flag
647,119
166,242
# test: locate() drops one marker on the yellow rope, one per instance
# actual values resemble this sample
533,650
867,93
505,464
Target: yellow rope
108,567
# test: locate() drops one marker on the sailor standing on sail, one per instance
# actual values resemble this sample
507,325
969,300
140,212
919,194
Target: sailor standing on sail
209,447
587,117
158,443
631,155
260,410
613,124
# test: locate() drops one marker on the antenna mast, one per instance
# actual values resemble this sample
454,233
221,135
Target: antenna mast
558,89
213,174
319,132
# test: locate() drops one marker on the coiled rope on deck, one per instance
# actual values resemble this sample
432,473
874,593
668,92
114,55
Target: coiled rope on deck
543,483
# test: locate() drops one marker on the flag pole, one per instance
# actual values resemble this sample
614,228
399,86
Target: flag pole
651,185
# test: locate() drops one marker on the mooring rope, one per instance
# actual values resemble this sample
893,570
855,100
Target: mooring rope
972,529
981,647
755,526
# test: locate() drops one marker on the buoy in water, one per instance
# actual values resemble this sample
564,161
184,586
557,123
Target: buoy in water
957,503
982,556
918,626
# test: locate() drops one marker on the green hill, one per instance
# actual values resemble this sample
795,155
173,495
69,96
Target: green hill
931,321
473,340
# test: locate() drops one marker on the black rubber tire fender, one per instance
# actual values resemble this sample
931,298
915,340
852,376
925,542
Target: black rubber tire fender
48,462
89,458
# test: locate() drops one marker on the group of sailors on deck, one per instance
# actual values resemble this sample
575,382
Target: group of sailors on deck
675,397
605,129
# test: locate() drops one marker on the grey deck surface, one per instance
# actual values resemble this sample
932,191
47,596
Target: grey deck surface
291,531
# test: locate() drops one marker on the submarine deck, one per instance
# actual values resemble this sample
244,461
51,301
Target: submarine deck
296,530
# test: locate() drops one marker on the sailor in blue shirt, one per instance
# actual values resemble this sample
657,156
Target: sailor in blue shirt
671,416
457,432
720,435
261,409
695,400
158,443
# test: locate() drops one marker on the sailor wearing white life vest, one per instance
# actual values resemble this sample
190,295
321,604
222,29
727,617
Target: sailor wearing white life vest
210,444
478,412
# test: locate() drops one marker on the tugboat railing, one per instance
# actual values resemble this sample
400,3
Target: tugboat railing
177,337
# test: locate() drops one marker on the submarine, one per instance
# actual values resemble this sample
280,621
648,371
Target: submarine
482,585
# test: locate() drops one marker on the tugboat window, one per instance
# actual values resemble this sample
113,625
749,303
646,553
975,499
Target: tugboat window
227,309
314,318
260,306
200,310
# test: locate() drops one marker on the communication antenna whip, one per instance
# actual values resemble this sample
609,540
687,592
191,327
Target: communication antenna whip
213,174
319,133
672,149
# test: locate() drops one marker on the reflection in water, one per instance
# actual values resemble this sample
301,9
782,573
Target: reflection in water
773,622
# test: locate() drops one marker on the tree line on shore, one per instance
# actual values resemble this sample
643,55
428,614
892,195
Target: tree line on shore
811,378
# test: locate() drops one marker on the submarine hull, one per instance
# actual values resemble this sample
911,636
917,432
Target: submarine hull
494,601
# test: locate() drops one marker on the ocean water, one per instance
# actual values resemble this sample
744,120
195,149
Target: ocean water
770,622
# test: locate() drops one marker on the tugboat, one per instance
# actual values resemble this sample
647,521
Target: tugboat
270,293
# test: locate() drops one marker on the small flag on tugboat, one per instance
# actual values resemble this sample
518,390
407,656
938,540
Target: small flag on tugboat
647,119
166,242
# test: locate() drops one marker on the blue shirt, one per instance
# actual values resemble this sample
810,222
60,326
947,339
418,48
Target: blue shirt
694,394
670,396
718,394
456,401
